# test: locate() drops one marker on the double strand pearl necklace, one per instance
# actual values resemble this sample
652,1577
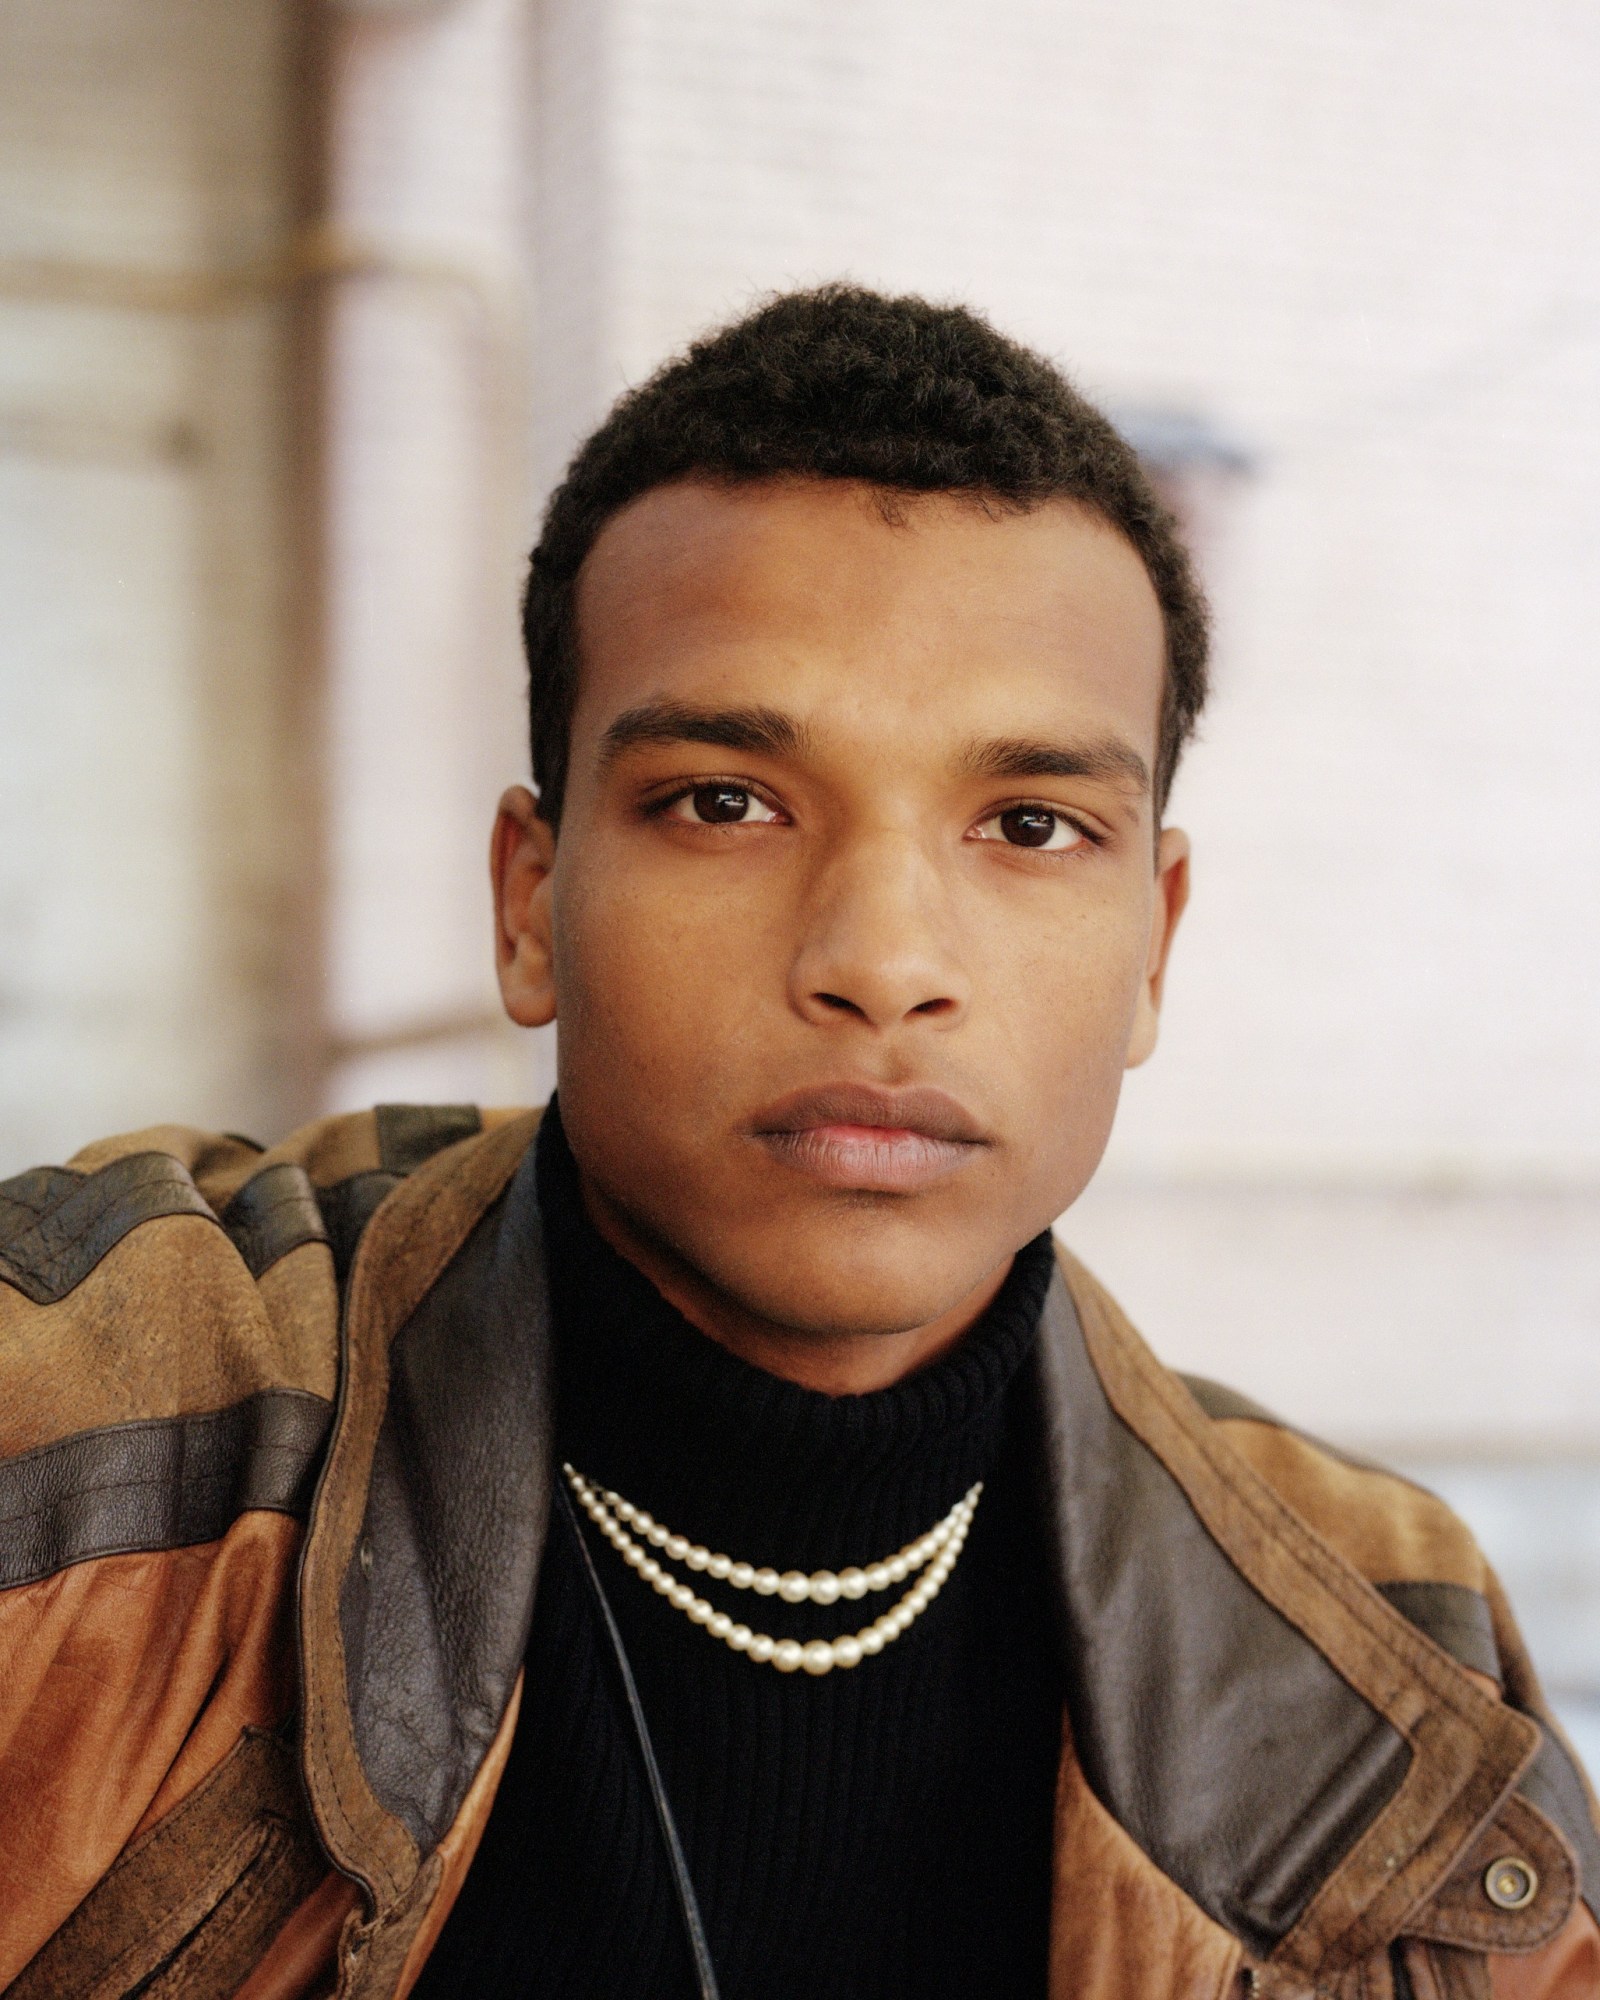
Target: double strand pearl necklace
936,1550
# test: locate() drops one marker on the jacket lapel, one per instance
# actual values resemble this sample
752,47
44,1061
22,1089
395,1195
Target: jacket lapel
1272,1734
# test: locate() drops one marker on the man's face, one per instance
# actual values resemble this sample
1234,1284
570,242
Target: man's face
857,913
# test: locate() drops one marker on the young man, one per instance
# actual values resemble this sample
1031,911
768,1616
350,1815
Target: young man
706,1540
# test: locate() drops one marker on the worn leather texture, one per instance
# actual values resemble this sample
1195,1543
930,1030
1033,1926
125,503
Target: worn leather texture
161,1484
412,1240
56,1224
435,1611
1292,1754
274,1212
1454,1616
1225,1743
191,1906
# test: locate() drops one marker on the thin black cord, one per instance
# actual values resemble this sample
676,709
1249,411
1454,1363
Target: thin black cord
688,1903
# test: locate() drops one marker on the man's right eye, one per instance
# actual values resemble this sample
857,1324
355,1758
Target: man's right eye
721,805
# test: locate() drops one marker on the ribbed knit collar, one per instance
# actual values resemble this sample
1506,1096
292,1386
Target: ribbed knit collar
733,1456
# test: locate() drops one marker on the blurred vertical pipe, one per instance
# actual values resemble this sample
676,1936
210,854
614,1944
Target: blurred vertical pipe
306,1039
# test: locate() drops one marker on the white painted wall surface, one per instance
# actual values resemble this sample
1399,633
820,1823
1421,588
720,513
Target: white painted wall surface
146,854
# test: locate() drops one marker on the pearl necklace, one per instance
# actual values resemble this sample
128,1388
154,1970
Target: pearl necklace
937,1550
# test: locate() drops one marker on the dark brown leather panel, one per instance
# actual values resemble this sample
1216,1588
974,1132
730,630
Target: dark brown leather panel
1213,1730
273,1213
1221,1403
1553,1785
410,1134
347,1207
435,1613
190,1907
1454,1617
413,1238
1468,1748
56,1224
162,1483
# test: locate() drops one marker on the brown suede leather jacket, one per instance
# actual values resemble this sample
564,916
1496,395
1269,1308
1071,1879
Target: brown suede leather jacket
274,1479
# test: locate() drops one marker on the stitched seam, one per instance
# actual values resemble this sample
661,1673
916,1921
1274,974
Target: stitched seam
387,1324
1283,1528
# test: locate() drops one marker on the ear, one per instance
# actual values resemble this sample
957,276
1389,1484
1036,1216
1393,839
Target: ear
522,852
1172,893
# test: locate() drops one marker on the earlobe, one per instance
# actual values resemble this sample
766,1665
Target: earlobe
1171,897
521,856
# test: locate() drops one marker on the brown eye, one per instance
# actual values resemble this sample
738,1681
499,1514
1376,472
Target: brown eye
718,804
1026,826
721,805
1038,827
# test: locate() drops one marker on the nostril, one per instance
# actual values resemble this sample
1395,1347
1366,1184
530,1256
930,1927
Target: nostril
838,1001
933,1007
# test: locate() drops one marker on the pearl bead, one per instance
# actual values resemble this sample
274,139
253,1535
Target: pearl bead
933,1554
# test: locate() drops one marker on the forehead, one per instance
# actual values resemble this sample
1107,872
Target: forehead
938,614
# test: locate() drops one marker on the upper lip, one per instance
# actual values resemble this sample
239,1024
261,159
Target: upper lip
911,1108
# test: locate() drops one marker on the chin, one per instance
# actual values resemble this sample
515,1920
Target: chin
831,1287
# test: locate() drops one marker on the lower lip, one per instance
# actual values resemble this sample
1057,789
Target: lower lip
870,1158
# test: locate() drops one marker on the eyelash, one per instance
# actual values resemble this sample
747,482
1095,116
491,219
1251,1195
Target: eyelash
656,808
1089,834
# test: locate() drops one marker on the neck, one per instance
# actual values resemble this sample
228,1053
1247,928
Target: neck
843,1364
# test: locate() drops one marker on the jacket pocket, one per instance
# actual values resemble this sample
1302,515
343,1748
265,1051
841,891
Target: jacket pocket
190,1907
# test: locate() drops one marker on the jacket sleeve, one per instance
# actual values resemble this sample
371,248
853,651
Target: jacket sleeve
163,1406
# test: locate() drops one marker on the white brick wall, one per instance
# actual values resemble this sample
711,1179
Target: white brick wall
146,854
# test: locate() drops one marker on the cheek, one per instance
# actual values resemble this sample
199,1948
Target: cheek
647,977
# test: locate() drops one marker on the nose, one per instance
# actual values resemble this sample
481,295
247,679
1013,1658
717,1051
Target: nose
879,945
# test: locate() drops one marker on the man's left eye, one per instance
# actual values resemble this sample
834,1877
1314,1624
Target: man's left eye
721,805
1037,827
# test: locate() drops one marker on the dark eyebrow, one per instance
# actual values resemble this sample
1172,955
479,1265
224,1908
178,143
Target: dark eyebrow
761,731
1023,757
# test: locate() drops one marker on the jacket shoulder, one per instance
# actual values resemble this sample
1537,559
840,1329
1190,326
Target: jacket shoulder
175,1276
1386,1526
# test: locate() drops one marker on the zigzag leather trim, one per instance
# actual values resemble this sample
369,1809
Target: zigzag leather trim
56,1223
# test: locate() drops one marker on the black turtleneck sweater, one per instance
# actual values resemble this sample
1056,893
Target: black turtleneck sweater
875,1833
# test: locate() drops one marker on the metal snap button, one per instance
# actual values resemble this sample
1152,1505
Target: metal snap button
1511,1883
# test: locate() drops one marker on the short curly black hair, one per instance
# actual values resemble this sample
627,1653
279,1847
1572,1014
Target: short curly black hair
845,383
